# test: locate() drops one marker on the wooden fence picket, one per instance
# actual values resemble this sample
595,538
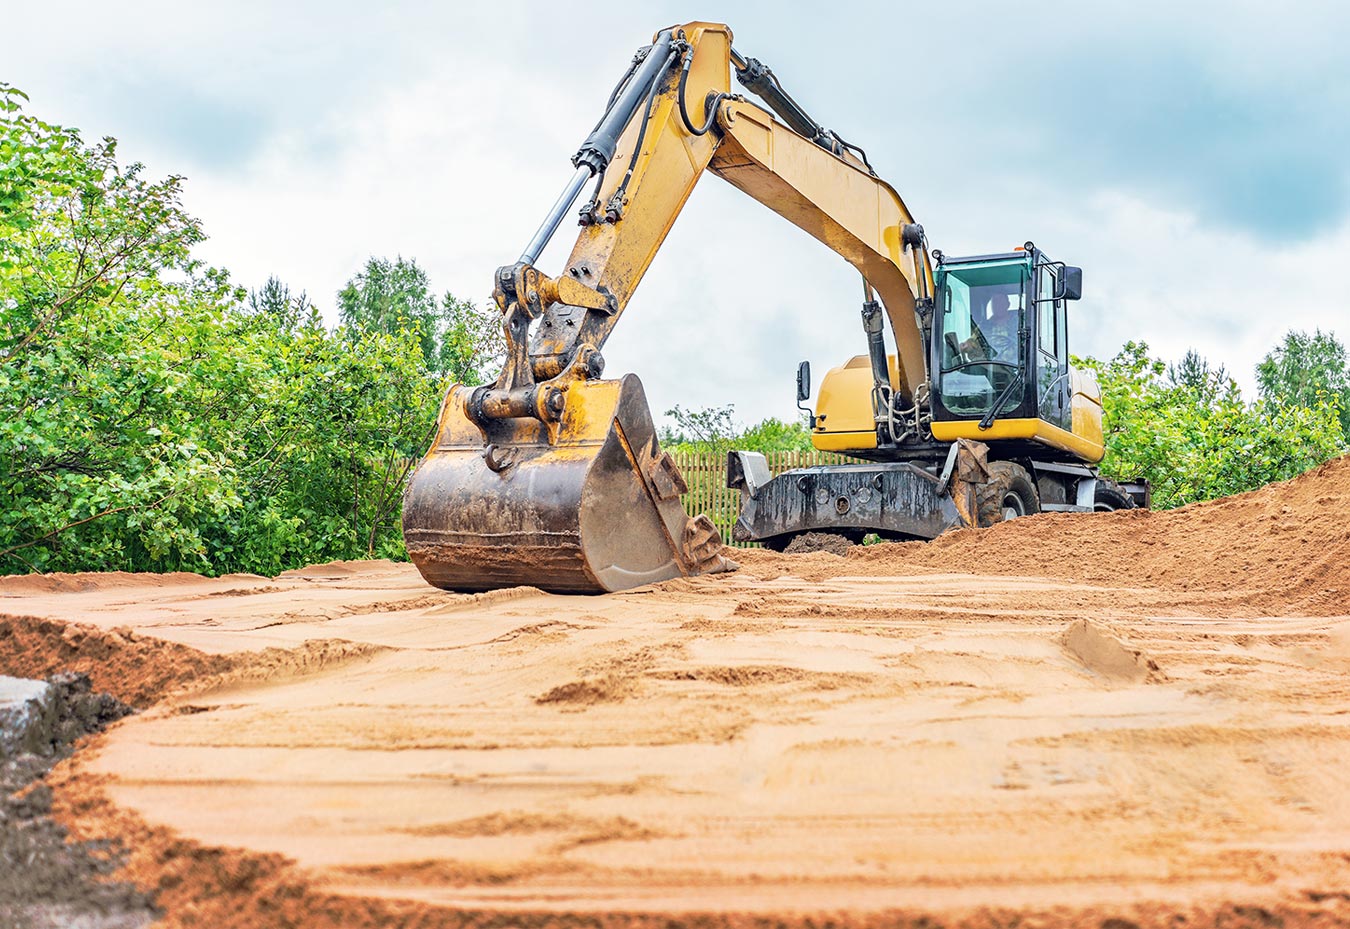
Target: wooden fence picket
706,475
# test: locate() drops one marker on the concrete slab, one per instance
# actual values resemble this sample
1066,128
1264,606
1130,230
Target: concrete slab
27,715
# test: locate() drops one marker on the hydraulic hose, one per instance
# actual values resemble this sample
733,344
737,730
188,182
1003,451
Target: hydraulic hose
757,78
598,149
613,213
709,107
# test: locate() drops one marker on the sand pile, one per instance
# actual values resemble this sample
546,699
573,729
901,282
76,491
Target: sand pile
134,668
1123,720
1285,547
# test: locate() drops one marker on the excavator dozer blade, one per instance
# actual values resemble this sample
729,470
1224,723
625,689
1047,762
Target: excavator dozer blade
586,505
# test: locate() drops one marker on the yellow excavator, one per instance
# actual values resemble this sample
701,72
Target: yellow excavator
553,476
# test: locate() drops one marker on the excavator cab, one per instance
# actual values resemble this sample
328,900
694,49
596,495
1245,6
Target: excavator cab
1000,354
1004,425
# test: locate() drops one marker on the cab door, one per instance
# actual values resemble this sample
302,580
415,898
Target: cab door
1050,356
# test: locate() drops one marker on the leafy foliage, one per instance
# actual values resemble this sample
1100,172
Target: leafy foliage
391,296
472,343
457,340
1305,370
154,418
714,429
1188,430
290,313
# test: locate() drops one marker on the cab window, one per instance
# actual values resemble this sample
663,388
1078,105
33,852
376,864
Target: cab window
1046,317
984,321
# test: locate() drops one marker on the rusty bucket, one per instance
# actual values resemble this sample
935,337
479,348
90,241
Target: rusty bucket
587,504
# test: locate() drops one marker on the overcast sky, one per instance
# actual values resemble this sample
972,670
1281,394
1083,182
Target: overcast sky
1192,157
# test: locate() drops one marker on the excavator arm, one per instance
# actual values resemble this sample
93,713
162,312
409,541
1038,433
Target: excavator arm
553,477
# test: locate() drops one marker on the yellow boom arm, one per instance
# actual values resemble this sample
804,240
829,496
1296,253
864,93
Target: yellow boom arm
833,196
555,478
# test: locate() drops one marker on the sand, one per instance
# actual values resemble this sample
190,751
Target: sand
1130,719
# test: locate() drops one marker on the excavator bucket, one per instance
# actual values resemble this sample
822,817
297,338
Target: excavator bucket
586,504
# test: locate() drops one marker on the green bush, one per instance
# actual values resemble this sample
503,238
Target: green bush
1189,432
148,419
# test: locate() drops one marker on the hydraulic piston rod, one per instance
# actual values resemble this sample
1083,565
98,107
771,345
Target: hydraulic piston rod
595,153
560,209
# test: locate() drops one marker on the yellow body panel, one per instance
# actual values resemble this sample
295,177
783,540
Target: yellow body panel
844,408
845,419
1037,430
1085,405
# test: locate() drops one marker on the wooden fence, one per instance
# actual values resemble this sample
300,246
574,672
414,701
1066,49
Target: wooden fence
706,475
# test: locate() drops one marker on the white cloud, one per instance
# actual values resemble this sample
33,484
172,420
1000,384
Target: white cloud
422,130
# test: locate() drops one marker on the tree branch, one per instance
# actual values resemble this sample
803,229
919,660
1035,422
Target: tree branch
80,522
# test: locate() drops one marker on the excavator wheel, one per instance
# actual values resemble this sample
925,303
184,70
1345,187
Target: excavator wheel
1110,497
1009,493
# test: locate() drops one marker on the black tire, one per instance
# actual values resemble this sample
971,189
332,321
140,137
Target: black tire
1109,497
1009,493
778,543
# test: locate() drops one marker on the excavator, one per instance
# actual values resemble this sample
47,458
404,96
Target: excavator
553,476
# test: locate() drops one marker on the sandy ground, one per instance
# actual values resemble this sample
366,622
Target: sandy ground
1061,721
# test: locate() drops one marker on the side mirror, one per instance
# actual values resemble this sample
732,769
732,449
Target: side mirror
803,381
1072,283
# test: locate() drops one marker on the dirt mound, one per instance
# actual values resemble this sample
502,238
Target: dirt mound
831,542
133,668
272,664
333,570
608,688
1285,547
1104,654
84,582
140,670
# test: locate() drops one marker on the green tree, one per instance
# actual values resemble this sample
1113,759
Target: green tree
101,313
709,429
1304,370
274,299
774,435
1190,433
1194,373
152,416
472,343
458,340
714,429
391,296
334,424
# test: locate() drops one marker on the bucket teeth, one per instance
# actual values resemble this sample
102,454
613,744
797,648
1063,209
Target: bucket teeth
703,546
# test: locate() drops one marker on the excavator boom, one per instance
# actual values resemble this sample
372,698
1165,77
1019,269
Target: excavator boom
553,477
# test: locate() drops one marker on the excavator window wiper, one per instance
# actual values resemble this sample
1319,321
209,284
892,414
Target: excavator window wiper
997,405
969,364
